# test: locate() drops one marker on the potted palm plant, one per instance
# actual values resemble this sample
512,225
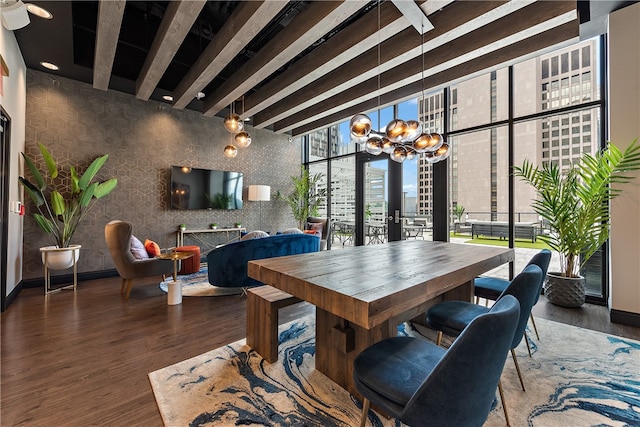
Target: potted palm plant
576,205
62,203
306,197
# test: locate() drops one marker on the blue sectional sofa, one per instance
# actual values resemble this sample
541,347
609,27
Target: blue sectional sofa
227,264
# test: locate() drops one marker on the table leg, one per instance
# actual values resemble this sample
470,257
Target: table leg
175,270
338,343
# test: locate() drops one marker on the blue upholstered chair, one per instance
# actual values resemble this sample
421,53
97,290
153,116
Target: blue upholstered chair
451,317
490,288
422,384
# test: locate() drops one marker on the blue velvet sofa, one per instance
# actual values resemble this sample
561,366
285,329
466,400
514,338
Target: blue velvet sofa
227,264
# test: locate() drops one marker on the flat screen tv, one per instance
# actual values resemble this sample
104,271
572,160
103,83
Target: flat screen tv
193,188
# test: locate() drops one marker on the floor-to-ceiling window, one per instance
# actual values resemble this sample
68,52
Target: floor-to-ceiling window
548,108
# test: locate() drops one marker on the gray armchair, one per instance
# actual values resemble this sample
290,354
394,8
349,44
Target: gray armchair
117,234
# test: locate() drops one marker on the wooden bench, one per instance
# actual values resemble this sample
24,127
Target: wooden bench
262,328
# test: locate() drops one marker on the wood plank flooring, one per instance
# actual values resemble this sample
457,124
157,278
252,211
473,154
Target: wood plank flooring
80,359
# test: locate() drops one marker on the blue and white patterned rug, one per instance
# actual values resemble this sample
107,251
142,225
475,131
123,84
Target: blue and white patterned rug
197,285
576,377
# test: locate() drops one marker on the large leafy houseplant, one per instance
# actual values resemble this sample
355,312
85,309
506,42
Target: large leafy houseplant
306,197
63,203
576,202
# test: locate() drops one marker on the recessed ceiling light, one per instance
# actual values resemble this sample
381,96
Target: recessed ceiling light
39,11
247,119
50,66
168,98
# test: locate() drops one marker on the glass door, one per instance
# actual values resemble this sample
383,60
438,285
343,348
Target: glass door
378,200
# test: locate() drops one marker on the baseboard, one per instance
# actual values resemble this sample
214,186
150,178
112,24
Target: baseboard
625,318
12,296
63,279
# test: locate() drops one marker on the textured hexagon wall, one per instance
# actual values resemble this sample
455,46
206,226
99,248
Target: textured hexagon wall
143,139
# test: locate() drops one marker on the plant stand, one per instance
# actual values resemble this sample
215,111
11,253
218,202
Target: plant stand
47,255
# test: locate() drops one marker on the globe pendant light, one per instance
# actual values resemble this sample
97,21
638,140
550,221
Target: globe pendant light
243,139
387,145
414,129
374,145
399,154
396,130
232,122
230,151
360,126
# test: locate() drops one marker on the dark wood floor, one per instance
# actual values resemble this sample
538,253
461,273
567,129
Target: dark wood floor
79,359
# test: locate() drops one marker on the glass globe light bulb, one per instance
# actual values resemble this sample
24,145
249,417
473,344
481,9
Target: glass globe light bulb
430,157
414,129
443,152
360,126
374,145
233,124
436,141
243,139
230,151
411,153
387,146
422,143
396,130
399,154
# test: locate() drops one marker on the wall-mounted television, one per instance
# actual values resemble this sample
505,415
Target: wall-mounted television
193,188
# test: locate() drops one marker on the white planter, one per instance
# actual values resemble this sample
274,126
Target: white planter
60,258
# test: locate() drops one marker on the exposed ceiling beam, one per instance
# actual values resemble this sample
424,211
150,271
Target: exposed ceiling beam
555,38
245,23
110,14
521,25
414,15
359,37
176,23
453,21
309,26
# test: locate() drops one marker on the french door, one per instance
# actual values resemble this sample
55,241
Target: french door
378,199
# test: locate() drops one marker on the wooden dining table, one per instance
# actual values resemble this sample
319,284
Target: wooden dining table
362,293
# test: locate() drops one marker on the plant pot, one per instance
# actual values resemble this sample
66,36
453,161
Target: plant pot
565,291
60,258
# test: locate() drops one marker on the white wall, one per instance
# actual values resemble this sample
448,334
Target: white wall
14,103
624,126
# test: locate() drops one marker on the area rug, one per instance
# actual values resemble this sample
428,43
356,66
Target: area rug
576,377
197,285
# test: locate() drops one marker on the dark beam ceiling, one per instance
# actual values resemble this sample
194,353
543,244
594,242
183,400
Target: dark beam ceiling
299,65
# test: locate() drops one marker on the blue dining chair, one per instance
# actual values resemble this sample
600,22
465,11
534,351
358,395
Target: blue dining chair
422,384
490,288
451,317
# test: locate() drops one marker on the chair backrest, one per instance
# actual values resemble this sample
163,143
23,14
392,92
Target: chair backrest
461,388
525,287
117,235
542,260
325,225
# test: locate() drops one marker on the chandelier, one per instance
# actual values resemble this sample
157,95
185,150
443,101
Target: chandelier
234,125
402,140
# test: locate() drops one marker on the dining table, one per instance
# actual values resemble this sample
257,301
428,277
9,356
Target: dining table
361,294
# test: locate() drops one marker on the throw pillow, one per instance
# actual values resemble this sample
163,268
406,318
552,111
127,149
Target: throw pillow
257,234
137,249
152,248
292,231
316,226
